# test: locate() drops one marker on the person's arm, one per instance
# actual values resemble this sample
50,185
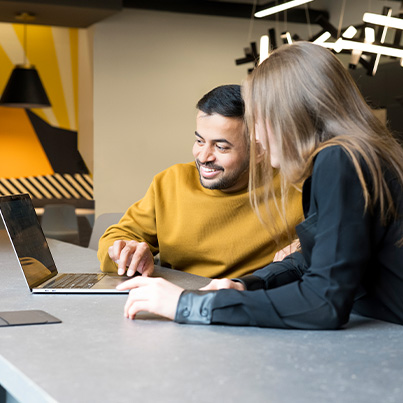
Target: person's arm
276,274
132,242
273,275
161,297
322,298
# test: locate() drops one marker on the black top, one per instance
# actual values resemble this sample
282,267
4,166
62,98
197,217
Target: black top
349,262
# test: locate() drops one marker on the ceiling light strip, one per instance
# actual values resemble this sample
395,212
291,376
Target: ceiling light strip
280,7
323,38
384,20
343,44
264,48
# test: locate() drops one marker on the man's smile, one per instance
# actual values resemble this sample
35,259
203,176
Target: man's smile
209,172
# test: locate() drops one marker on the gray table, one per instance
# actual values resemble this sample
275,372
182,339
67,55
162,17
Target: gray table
97,355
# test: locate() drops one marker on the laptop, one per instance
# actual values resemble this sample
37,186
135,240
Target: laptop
36,261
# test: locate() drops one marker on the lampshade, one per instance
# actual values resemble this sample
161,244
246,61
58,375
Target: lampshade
24,89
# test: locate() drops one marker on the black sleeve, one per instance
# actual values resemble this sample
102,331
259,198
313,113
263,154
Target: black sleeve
322,297
276,274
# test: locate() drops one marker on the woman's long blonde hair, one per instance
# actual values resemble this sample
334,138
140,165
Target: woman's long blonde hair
310,102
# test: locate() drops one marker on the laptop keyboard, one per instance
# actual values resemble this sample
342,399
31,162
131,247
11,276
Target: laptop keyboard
75,280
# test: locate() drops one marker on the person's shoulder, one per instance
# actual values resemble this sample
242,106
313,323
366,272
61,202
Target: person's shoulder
334,152
333,167
331,158
177,171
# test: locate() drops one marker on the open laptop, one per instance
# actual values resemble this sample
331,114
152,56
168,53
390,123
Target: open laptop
35,259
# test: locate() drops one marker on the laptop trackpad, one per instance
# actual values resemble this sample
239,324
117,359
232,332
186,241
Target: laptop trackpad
110,281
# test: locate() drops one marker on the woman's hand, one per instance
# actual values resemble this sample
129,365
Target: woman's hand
224,283
154,295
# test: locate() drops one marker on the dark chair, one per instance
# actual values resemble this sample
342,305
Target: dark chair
59,221
100,225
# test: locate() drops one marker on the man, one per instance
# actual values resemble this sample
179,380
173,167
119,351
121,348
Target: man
197,216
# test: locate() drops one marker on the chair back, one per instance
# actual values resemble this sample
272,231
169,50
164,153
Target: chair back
100,225
59,221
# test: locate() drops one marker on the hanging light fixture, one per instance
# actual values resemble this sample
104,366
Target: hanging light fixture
264,48
280,7
24,88
385,20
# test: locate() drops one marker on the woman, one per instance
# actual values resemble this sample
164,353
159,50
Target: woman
308,119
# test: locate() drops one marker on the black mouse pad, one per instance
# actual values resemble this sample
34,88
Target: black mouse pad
31,317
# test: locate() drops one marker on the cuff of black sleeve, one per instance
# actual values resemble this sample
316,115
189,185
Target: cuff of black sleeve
251,282
195,307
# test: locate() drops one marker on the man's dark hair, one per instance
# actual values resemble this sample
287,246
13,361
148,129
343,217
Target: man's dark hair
225,100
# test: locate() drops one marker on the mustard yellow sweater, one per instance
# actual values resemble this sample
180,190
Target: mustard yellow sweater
201,231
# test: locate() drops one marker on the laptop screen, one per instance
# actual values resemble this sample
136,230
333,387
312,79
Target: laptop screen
27,237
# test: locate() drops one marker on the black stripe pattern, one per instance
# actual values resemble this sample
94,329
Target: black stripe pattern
58,186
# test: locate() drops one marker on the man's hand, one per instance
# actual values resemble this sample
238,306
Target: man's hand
281,254
133,256
154,295
220,284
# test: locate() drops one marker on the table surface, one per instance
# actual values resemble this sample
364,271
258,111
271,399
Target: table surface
96,354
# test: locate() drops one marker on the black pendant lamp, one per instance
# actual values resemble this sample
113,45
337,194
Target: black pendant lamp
24,88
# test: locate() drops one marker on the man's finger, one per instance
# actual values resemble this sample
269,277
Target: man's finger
125,255
116,248
135,262
148,269
115,254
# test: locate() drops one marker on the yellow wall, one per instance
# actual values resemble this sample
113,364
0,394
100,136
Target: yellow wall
21,153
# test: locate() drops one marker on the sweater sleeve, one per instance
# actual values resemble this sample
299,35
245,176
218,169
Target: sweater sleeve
322,297
138,223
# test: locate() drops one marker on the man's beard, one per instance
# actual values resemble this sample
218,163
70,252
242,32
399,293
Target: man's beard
225,181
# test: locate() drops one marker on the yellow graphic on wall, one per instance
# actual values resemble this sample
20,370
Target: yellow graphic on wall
21,153
54,53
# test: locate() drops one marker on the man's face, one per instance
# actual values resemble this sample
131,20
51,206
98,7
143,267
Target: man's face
221,153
